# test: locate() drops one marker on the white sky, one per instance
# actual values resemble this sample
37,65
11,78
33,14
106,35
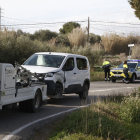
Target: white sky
51,11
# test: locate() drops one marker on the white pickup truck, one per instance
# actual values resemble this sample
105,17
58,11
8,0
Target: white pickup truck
28,95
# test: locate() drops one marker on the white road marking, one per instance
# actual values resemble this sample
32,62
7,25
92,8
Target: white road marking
108,89
8,137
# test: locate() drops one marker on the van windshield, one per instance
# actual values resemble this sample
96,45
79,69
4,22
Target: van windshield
130,65
45,60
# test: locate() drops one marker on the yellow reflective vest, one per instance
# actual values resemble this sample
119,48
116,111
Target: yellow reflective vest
125,68
106,63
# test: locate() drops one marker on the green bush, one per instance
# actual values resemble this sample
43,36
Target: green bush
130,108
18,48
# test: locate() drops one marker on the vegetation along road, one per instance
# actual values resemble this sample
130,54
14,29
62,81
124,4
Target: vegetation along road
15,124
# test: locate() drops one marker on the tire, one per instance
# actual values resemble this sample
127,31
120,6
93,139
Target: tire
58,89
31,105
84,93
113,80
133,78
34,104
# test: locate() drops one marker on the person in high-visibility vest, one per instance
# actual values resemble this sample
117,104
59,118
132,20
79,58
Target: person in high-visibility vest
125,71
106,66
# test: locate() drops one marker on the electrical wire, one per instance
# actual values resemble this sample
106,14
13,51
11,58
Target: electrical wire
115,26
115,22
40,23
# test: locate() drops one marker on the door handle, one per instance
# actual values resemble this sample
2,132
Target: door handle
74,73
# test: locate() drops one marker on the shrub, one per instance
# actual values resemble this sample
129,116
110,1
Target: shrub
130,108
94,38
77,37
136,51
19,48
116,44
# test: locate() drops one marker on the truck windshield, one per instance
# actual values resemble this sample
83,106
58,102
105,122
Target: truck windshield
130,65
45,60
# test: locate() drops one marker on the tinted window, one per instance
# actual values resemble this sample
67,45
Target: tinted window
130,65
69,64
81,64
45,60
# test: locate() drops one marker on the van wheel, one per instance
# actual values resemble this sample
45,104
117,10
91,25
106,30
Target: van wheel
58,89
84,93
113,80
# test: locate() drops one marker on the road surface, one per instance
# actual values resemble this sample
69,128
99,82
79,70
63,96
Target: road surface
15,124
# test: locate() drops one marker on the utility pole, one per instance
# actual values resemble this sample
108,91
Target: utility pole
0,18
88,29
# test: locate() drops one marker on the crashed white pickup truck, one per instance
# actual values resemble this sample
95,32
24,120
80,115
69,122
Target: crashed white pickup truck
17,88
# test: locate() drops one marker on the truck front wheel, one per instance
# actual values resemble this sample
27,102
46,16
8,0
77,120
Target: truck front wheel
31,105
34,104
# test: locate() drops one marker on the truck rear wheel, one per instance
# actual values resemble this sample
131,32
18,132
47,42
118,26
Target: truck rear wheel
84,93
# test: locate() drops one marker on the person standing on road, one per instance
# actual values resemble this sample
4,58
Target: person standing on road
106,66
125,70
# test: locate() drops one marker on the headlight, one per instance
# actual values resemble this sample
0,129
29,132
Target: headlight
49,74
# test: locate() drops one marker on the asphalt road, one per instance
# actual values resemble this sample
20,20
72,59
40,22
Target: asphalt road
15,125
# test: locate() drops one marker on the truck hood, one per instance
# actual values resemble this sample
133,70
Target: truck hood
40,69
121,69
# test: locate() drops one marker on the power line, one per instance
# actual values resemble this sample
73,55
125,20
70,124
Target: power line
115,22
19,19
115,26
105,30
41,23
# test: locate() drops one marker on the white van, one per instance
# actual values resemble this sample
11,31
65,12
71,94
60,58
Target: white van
62,72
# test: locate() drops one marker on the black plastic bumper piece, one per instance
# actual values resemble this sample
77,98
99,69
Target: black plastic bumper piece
117,78
50,87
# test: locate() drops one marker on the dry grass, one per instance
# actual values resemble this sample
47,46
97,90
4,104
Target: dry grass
77,37
116,44
136,52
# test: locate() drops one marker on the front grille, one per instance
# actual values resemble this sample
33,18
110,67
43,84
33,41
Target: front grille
115,72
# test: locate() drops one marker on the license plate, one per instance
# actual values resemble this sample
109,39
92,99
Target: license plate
117,75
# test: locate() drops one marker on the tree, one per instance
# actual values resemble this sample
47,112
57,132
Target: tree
135,4
94,38
68,27
45,35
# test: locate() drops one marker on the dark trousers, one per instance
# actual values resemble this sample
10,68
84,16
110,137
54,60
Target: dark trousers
126,75
107,73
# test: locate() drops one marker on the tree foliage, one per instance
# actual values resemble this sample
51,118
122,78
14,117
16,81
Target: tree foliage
94,38
135,4
68,27
45,35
